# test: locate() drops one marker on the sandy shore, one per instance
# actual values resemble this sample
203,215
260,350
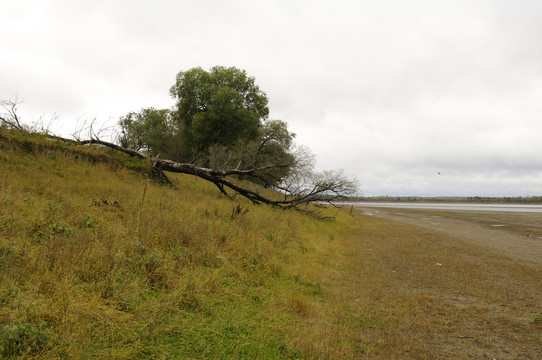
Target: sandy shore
518,235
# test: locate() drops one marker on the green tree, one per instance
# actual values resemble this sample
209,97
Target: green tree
275,139
151,130
218,107
220,121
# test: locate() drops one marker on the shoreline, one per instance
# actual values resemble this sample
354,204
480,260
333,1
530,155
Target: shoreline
514,234
497,207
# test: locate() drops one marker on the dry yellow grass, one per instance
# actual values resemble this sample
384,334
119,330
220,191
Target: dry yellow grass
432,296
97,262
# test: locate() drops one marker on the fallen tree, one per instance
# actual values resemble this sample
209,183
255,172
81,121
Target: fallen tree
302,187
299,188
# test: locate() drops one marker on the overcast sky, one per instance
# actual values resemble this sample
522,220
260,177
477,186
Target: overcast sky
393,92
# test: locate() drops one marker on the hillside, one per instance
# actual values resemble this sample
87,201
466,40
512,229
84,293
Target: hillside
96,261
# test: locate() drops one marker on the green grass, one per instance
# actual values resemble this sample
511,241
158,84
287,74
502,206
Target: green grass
99,262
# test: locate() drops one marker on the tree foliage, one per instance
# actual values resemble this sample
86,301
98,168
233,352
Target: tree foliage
151,130
220,120
218,107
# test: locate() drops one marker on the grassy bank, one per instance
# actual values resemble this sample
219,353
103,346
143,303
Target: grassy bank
98,262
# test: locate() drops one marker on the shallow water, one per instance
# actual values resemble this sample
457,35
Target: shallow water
449,206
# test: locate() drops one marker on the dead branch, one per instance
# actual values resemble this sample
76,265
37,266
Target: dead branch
302,190
9,116
130,152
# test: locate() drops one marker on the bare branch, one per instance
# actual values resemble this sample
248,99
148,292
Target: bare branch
111,145
9,116
302,188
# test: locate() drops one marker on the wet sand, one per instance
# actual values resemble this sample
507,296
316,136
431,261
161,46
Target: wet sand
518,235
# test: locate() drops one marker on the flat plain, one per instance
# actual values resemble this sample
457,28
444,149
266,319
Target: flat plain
517,234
451,285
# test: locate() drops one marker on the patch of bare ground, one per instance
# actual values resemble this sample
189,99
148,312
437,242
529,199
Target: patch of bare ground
432,292
518,235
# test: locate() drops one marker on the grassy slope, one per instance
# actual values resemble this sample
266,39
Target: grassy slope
172,274
96,261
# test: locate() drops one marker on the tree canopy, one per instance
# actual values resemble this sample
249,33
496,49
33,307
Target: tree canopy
150,130
218,107
219,130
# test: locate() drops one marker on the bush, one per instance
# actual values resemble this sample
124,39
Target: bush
22,338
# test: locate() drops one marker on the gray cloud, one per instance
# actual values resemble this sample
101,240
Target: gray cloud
393,92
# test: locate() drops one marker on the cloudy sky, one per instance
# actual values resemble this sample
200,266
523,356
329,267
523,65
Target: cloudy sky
420,97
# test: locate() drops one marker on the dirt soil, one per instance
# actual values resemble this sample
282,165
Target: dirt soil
446,284
517,235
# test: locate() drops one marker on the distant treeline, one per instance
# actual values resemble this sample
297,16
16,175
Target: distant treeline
451,199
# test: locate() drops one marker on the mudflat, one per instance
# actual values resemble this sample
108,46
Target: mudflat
445,284
515,234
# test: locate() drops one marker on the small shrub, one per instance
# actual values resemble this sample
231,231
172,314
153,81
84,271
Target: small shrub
9,254
7,294
89,221
6,251
22,338
150,262
48,230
